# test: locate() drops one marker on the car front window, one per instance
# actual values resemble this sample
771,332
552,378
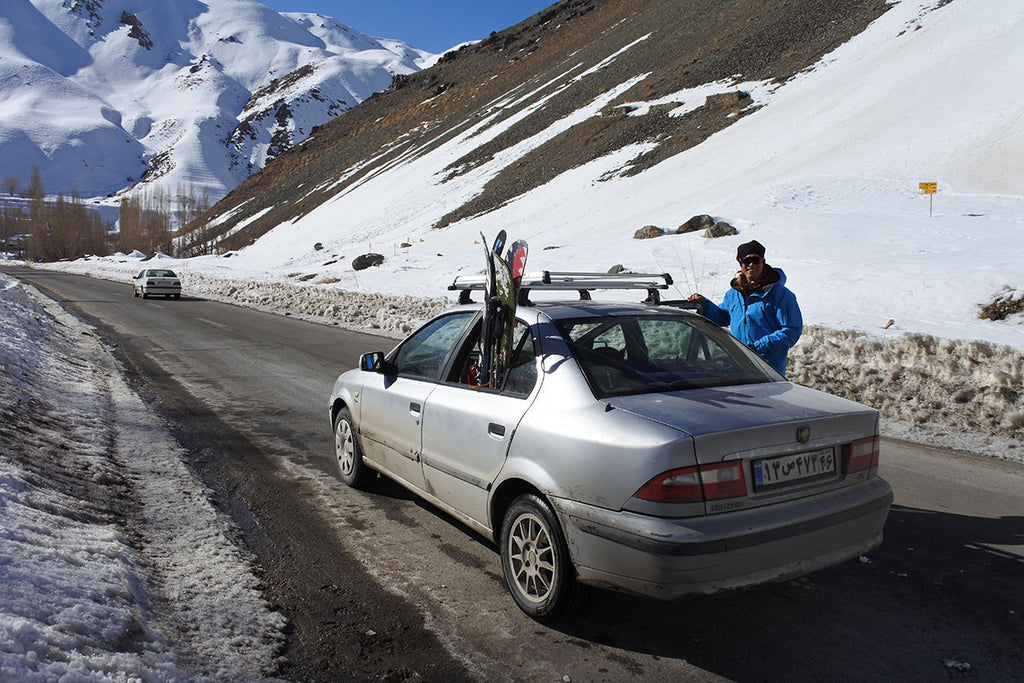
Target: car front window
422,355
622,355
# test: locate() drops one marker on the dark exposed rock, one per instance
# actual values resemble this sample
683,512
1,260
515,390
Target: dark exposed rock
367,261
699,222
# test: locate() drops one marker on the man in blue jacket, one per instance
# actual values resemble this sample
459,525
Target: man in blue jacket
758,308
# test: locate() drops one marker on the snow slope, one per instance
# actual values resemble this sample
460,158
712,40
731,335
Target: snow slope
99,94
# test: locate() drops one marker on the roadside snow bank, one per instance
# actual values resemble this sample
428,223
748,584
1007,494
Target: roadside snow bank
113,563
965,395
394,316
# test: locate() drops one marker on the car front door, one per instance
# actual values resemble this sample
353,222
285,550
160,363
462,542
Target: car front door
467,430
391,404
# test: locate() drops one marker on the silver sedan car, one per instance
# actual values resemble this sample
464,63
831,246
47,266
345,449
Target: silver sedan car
156,281
635,447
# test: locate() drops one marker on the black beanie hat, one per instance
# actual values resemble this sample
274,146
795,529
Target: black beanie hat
752,248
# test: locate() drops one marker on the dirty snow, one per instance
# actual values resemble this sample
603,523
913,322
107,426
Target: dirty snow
114,565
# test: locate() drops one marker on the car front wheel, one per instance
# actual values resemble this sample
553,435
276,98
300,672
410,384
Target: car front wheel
535,561
351,468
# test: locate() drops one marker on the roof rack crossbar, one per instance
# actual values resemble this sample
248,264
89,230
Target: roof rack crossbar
574,281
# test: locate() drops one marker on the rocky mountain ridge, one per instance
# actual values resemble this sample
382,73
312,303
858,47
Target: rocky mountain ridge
688,64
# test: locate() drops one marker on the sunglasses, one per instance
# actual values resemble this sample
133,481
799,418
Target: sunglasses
752,260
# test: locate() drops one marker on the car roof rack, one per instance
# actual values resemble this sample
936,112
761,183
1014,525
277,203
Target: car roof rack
582,282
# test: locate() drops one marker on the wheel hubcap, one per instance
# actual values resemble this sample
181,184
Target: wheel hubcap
532,558
343,447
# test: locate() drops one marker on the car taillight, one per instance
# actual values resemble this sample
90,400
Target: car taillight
860,455
696,484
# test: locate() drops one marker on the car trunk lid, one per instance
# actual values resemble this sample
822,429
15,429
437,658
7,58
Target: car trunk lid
757,420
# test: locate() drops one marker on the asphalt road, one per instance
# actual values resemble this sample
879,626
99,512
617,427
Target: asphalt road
377,585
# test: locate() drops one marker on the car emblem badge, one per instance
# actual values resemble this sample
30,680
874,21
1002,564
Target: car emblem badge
803,434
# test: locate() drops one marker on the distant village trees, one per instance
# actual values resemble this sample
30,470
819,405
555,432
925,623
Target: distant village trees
40,228
36,228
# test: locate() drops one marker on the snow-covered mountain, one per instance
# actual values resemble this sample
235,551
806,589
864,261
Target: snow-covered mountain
104,94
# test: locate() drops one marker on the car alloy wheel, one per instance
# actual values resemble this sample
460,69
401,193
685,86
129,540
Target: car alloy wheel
348,454
535,560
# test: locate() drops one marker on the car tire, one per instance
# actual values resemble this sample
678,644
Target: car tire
348,454
135,293
535,561
144,294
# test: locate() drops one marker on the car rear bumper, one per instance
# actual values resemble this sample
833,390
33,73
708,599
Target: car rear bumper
161,290
670,558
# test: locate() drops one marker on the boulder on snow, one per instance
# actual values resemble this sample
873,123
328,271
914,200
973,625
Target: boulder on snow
720,229
367,261
698,222
648,232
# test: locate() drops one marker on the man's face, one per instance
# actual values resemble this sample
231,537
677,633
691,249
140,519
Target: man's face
752,267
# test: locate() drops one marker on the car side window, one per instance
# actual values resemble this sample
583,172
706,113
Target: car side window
423,354
522,373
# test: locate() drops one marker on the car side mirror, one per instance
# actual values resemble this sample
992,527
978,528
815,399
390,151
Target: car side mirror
372,362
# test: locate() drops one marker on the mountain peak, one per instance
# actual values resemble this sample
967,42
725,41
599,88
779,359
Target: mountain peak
100,94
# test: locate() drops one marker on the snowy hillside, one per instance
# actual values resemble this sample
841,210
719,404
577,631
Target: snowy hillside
101,94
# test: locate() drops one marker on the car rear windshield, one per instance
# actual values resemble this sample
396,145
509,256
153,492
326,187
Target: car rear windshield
622,355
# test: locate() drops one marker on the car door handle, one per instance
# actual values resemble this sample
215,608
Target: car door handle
415,409
496,430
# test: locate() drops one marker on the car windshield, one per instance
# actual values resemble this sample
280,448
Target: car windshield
638,354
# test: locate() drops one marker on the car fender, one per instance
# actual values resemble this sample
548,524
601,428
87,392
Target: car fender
346,391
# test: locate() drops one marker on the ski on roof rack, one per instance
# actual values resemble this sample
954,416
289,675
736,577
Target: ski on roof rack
581,282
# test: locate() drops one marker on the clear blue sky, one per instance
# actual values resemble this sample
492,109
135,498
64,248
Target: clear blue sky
432,25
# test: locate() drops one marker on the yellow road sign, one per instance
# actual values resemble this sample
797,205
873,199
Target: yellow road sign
929,188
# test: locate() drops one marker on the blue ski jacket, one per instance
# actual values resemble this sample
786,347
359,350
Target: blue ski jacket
767,319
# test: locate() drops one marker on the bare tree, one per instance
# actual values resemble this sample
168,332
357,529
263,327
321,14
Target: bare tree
39,224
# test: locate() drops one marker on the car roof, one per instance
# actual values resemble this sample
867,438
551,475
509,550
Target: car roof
559,310
569,309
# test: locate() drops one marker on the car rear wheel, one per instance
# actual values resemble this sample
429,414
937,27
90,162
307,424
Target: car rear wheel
351,468
535,561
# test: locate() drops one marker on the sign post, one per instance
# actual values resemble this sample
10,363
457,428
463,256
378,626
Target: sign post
929,189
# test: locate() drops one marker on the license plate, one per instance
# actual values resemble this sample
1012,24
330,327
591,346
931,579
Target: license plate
787,469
